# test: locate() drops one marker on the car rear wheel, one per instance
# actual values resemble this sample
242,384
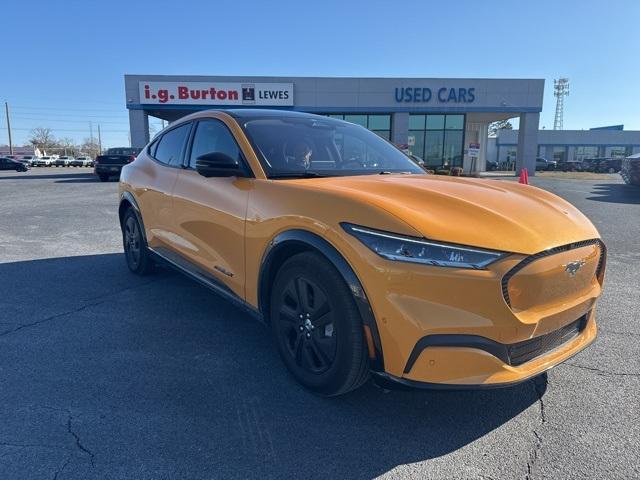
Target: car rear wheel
317,327
136,252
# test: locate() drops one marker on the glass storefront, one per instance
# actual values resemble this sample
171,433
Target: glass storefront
620,152
560,154
378,124
584,152
437,139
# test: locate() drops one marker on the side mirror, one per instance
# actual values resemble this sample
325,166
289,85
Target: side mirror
218,164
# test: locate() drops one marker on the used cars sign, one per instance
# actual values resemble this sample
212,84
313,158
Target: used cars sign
216,93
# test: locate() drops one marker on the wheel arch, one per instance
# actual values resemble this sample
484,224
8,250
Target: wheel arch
128,201
291,242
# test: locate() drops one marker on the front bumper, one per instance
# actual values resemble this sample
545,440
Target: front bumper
462,328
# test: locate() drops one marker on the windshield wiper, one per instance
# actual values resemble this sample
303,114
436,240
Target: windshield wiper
305,174
387,172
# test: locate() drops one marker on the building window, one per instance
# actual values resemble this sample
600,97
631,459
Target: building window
378,124
560,154
584,152
619,151
437,139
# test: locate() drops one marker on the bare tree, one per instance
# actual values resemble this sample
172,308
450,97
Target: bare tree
68,145
90,147
42,138
499,125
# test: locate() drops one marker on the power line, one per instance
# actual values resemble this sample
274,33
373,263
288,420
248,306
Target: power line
84,130
62,120
38,107
74,114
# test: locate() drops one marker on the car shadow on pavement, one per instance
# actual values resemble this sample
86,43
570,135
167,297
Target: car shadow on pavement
36,176
616,193
161,378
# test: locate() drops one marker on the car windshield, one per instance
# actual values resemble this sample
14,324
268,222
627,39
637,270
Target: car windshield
290,147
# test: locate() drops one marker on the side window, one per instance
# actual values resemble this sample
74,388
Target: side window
213,136
170,146
152,148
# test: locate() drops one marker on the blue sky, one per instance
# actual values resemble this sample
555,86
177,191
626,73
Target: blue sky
64,62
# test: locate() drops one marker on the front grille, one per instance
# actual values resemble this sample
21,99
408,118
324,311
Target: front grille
552,251
526,350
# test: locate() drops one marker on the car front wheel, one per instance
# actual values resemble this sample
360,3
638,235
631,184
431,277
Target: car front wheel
317,327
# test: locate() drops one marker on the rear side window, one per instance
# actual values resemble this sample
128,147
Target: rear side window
213,136
171,145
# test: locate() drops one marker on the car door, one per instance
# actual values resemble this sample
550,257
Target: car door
157,182
210,213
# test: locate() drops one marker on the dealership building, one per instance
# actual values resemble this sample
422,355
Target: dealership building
568,145
441,120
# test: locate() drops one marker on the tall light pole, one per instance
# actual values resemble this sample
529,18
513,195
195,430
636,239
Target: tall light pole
99,140
560,90
6,109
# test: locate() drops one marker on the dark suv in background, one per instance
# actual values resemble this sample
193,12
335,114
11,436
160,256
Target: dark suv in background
602,165
110,164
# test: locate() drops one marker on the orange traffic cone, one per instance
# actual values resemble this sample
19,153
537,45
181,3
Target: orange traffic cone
524,177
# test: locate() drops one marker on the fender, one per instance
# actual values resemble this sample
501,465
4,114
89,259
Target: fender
128,197
305,240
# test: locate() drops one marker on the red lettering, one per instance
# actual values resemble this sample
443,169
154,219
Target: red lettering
146,91
233,95
195,94
204,94
221,95
183,93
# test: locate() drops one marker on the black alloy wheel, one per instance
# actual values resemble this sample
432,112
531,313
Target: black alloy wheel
307,322
135,247
317,326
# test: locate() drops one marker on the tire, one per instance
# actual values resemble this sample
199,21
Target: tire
136,252
317,327
104,178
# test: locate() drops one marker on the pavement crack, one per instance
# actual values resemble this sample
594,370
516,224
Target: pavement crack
540,386
79,444
61,469
603,373
94,302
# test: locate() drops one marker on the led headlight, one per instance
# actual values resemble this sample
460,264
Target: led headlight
419,250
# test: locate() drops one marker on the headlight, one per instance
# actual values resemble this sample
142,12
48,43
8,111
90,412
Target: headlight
419,250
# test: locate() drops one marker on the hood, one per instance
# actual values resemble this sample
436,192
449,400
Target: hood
499,215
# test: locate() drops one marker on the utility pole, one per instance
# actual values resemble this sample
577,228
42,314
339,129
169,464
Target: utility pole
91,131
99,140
6,109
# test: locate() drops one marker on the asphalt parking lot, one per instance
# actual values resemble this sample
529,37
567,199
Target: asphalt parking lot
107,375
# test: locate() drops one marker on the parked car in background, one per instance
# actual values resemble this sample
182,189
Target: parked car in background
570,166
544,164
83,161
491,166
62,161
28,159
45,161
608,165
7,163
110,164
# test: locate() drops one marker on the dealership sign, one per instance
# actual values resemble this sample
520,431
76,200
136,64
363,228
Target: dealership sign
439,95
216,93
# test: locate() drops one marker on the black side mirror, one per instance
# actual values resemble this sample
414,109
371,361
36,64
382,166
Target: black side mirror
218,164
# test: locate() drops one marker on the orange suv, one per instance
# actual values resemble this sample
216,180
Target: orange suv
360,262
